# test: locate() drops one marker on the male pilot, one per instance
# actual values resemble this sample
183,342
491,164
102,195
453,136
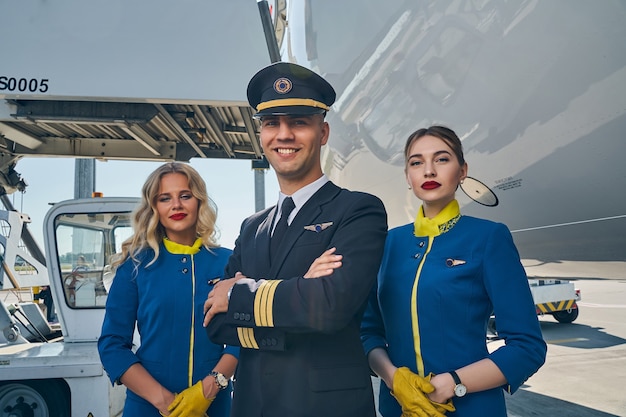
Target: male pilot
301,352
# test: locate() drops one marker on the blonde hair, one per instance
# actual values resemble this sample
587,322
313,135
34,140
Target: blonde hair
148,230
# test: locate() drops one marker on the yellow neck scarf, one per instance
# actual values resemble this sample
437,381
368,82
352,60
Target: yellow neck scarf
441,223
179,249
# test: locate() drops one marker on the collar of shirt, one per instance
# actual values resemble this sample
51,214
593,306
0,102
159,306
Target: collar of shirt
300,197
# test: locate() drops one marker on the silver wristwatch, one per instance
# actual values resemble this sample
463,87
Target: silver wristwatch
220,380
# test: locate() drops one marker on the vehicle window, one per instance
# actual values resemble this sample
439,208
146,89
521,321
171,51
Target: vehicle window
81,260
85,244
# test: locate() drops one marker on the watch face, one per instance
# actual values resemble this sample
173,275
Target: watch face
221,380
460,390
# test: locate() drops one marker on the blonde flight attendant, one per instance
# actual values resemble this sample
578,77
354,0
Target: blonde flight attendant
163,276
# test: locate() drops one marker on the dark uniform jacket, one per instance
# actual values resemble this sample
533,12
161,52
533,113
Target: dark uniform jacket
301,353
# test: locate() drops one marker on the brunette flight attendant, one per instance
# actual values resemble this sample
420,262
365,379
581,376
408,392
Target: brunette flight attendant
440,280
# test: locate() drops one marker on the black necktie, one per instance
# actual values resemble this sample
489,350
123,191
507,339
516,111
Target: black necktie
281,226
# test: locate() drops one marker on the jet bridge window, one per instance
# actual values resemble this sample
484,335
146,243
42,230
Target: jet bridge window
85,244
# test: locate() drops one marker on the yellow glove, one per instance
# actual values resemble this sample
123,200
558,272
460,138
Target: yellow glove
447,406
411,392
190,403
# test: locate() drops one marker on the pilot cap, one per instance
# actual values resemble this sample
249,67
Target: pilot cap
284,88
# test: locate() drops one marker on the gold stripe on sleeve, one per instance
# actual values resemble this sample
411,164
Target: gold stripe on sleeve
258,300
253,343
246,338
263,304
269,307
242,338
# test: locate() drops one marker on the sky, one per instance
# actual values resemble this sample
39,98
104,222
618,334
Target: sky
230,184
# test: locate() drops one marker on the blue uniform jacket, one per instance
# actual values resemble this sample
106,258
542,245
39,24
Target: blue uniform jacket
434,319
165,300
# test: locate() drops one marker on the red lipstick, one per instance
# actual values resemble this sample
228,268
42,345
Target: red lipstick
178,216
430,185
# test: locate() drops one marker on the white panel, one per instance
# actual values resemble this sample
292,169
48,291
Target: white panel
130,50
553,292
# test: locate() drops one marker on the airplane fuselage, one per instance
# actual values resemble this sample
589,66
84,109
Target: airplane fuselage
536,91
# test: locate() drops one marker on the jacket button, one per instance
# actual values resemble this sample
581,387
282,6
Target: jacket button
422,244
247,317
185,270
418,255
184,260
236,316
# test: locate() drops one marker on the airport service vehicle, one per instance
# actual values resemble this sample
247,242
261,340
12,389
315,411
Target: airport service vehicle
55,371
555,297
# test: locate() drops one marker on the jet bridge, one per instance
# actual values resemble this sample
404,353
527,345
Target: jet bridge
127,79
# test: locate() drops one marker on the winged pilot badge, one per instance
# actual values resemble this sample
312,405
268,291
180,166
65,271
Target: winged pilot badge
318,227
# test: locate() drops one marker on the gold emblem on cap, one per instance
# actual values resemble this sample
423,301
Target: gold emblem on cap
282,85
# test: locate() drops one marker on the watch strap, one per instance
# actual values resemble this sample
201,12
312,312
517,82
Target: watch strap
456,378
459,388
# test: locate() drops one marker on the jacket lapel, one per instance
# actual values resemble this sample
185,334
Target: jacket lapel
262,241
307,214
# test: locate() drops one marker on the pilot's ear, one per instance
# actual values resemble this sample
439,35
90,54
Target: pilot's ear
325,132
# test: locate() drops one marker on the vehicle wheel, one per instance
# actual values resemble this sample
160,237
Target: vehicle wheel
566,316
33,399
